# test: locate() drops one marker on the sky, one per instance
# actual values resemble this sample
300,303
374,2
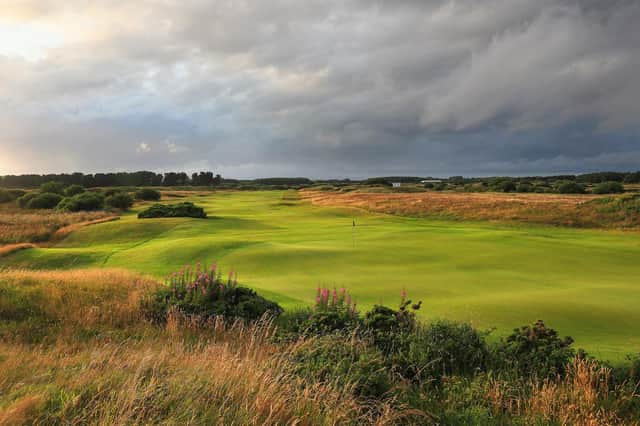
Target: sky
320,88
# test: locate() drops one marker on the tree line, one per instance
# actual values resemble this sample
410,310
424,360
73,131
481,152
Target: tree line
140,178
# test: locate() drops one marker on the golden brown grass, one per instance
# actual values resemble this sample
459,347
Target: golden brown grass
583,397
10,248
554,209
31,226
104,364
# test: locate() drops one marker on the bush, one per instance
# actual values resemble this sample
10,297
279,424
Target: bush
52,188
333,311
84,201
503,185
44,201
440,349
26,198
148,194
346,361
185,209
524,187
16,193
389,328
609,188
536,350
205,294
6,196
568,187
72,190
120,200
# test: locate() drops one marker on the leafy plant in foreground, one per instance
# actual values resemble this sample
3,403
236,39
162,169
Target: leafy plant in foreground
536,350
333,311
204,293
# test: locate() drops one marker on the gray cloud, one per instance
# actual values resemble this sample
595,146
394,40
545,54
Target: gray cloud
326,88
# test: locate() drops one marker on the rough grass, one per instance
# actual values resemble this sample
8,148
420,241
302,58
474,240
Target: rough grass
33,226
581,282
98,362
588,211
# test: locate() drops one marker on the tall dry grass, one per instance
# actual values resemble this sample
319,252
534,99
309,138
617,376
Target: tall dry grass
104,364
31,226
553,209
583,397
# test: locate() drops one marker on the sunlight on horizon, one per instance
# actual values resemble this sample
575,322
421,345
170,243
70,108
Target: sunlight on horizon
27,40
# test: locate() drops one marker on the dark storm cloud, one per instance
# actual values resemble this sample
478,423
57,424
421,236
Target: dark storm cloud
324,88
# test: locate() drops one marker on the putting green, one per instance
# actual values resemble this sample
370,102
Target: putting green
583,283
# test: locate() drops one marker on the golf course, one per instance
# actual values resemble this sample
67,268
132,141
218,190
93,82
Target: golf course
496,276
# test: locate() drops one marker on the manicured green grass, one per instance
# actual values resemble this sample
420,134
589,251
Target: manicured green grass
583,283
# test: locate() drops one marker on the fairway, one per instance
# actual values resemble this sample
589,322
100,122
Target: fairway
583,283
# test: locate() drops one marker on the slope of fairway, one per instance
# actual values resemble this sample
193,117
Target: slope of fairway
583,283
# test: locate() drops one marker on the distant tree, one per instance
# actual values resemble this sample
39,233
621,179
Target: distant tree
74,189
46,200
609,188
568,187
52,188
120,200
147,194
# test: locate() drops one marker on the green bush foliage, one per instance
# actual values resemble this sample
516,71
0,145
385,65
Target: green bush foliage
185,209
44,201
72,190
52,188
119,200
84,201
148,194
390,328
6,196
609,188
524,187
333,311
503,185
440,349
569,187
345,360
203,293
23,200
536,350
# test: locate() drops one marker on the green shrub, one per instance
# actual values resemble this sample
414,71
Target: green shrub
6,196
346,361
569,187
205,294
52,187
440,349
524,187
503,185
16,193
119,200
390,328
609,188
148,194
185,209
333,312
535,350
44,201
72,190
84,201
24,200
